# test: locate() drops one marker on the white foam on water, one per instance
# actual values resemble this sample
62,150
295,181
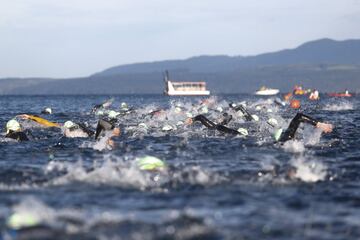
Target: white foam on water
312,136
341,106
294,146
309,170
110,172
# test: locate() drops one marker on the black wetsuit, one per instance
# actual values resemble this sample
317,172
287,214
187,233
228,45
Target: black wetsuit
211,125
104,125
86,129
294,125
19,136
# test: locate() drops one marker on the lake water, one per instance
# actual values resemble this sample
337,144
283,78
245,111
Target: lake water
215,186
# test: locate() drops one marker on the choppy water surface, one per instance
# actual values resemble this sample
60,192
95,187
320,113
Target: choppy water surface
215,186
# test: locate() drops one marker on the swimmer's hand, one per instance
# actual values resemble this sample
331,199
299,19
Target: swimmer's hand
188,121
116,132
325,127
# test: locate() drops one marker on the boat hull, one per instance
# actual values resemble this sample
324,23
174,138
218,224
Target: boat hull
340,95
267,92
187,93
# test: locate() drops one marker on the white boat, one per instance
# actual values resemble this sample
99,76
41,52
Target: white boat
264,91
184,88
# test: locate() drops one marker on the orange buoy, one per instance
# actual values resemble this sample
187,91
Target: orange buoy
295,104
287,96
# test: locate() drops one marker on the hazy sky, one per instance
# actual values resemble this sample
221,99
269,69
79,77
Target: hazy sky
70,38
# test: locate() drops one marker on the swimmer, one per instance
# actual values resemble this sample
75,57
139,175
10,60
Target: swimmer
76,130
103,105
14,131
211,125
294,125
247,115
107,126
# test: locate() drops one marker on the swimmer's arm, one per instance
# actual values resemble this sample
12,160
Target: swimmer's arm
39,120
204,121
325,127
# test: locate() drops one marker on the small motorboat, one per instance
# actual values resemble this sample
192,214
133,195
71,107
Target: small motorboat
264,91
345,94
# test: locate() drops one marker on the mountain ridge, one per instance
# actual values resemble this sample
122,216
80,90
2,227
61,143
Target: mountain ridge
325,64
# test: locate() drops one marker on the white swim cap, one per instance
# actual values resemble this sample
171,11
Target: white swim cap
69,124
124,106
219,109
272,121
48,110
188,114
178,110
179,123
243,131
204,110
143,125
113,114
167,128
255,117
13,125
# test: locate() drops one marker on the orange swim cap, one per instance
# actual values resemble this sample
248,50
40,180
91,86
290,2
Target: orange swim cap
295,104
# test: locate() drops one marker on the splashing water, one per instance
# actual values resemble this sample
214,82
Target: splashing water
309,170
342,106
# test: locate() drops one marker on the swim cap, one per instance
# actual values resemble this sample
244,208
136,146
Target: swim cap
255,117
295,104
18,221
272,121
258,108
113,114
167,128
99,112
243,131
48,110
13,125
124,106
143,125
188,114
277,134
204,110
69,124
150,163
179,123
178,110
269,110
219,109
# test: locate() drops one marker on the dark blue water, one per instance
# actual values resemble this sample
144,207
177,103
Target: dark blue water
215,186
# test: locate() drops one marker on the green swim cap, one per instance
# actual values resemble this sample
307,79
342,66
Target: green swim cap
150,163
277,134
17,220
